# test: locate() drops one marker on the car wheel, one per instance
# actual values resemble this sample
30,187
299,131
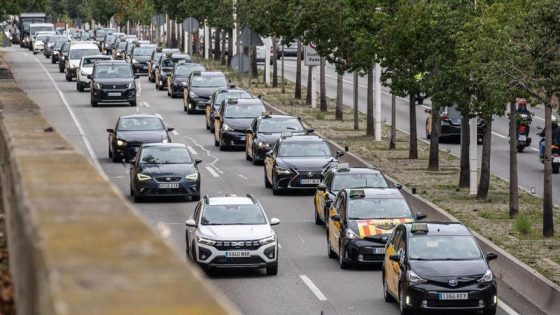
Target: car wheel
428,136
402,306
275,190
115,158
80,87
344,264
131,190
136,198
93,103
61,70
133,103
266,182
386,295
330,252
272,269
255,158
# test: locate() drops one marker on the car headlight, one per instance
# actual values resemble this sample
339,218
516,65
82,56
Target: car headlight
185,84
55,52
488,277
414,278
118,54
191,94
205,241
268,240
121,143
263,145
351,235
97,86
193,176
131,85
134,60
143,177
72,66
225,127
283,171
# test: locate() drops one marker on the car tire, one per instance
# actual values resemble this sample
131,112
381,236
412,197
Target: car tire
136,198
52,61
222,145
247,156
195,198
133,103
34,52
115,158
61,70
93,103
403,308
330,252
272,269
68,78
266,182
344,264
318,220
255,158
428,135
490,311
80,87
387,297
160,87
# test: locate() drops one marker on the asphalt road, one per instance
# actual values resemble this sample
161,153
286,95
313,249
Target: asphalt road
530,169
308,282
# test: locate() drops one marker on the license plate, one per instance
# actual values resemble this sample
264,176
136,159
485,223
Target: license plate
114,94
379,250
242,138
238,254
166,186
522,138
453,296
307,181
556,159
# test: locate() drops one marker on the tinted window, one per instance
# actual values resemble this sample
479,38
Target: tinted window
58,44
443,247
243,111
453,113
304,149
140,123
233,215
378,208
113,71
201,81
35,29
353,180
122,45
143,51
232,94
89,62
156,57
79,53
165,155
41,37
280,125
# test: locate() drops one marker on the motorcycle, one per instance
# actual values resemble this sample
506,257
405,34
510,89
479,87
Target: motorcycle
523,139
554,157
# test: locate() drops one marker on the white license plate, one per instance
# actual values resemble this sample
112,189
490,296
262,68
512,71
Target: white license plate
307,181
242,138
556,159
379,250
238,254
114,94
453,296
522,138
167,186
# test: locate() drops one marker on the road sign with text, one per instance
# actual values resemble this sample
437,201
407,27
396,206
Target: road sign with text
310,55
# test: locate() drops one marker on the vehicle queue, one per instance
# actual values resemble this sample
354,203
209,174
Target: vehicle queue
367,220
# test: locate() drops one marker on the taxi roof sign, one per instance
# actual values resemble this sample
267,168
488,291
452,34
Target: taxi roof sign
357,193
196,73
286,134
232,100
419,228
342,166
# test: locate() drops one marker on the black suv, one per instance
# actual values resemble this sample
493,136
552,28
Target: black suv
113,82
233,120
178,78
201,87
140,55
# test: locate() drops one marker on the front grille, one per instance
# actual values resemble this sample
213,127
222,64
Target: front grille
306,174
237,260
114,86
453,303
171,179
461,282
246,245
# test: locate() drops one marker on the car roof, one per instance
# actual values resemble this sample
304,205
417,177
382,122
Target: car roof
302,138
164,145
229,200
438,228
111,61
78,45
375,192
274,116
247,101
139,116
356,170
97,56
212,74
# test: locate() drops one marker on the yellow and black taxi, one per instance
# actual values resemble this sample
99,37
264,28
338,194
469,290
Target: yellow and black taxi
233,120
200,87
360,222
218,98
165,66
265,130
298,163
343,177
178,78
438,266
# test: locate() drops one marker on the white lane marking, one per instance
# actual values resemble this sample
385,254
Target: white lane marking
506,308
313,288
212,171
175,133
539,118
137,109
163,230
233,195
245,178
216,159
139,87
499,135
191,150
89,148
145,104
535,149
24,53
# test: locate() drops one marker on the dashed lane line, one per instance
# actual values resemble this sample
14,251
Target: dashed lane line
499,135
506,308
313,288
191,150
244,177
212,171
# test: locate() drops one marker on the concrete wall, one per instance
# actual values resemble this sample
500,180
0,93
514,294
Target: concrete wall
76,246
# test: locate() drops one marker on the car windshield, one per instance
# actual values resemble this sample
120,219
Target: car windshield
89,62
243,111
233,215
304,149
41,37
86,36
156,57
187,69
79,53
122,45
143,51
378,208
231,94
204,81
140,124
170,62
109,38
66,47
355,180
280,125
165,155
443,247
58,44
113,71
129,48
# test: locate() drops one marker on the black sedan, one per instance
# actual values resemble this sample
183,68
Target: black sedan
438,266
178,78
112,82
233,120
139,57
164,169
298,162
132,131
165,66
201,86
218,98
265,130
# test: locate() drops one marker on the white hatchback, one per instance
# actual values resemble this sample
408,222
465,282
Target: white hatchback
232,232
86,68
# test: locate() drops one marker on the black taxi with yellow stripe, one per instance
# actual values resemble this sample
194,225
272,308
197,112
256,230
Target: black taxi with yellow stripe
340,178
361,221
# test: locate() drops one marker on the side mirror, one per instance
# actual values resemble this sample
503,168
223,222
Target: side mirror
491,256
89,76
398,186
136,77
395,257
110,130
420,216
274,221
428,111
339,153
197,161
249,131
322,187
232,86
310,130
335,217
190,223
170,129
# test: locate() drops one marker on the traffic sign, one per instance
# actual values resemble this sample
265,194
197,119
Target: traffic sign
248,38
310,55
158,20
241,63
190,24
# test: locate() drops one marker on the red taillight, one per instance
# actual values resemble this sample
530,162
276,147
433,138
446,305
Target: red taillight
444,117
522,129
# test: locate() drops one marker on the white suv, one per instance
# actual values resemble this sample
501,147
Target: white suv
75,54
86,68
232,232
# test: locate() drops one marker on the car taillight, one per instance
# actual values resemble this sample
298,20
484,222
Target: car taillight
444,117
522,129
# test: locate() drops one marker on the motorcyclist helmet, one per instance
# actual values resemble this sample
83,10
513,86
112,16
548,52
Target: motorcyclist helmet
521,103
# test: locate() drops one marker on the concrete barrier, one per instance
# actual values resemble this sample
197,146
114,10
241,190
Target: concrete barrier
518,284
76,245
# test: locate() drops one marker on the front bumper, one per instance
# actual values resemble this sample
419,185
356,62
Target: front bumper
103,95
38,48
297,180
233,138
215,256
427,297
177,89
72,72
361,251
198,104
140,68
150,188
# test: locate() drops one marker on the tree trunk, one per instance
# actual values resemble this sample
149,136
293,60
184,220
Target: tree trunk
308,98
275,62
339,113
217,44
433,163
484,183
254,68
223,50
413,137
230,47
356,117
464,173
298,71
513,180
370,123
548,219
393,141
283,83
323,85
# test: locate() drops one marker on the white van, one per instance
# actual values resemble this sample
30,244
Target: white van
35,28
75,54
